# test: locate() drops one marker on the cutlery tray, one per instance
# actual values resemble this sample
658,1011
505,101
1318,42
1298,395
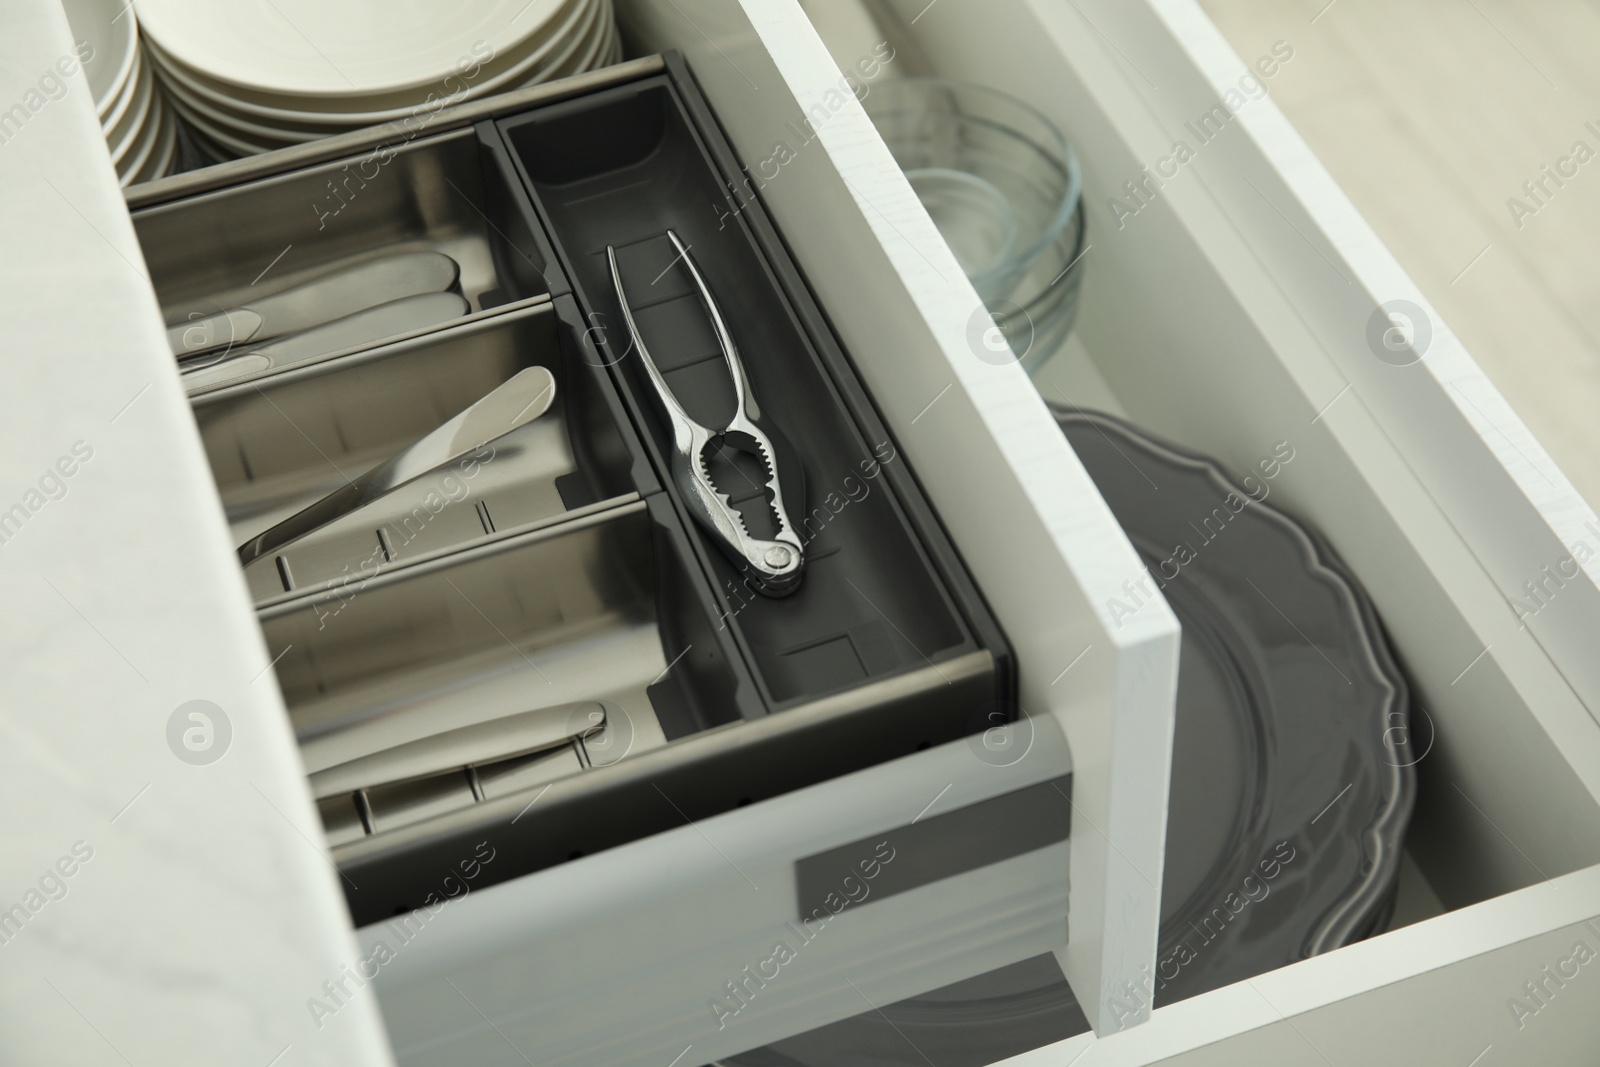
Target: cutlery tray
553,581
563,619
442,193
280,443
875,600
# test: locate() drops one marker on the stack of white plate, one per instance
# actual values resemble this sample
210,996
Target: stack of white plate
140,129
249,76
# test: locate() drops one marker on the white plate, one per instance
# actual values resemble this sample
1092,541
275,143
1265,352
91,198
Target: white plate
164,157
115,122
201,110
232,143
109,29
577,54
144,145
138,116
231,107
317,114
204,145
337,50
615,55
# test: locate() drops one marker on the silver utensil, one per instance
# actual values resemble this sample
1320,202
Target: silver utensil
331,296
361,328
499,739
516,402
775,566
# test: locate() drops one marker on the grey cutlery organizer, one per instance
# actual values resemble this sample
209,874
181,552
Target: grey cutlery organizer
557,570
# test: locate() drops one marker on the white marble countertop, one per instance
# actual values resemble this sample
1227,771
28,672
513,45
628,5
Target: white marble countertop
152,910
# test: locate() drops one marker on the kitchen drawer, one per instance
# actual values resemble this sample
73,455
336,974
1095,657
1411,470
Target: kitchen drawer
757,766
1240,303
978,826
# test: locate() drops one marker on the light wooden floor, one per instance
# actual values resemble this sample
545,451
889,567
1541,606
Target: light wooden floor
1432,114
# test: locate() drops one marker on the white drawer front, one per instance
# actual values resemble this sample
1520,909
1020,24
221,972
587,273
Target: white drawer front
747,927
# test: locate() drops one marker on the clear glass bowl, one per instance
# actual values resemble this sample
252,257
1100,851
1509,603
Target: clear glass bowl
997,177
1037,318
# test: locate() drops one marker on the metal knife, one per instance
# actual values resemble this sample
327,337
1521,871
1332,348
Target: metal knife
514,403
330,296
515,735
353,331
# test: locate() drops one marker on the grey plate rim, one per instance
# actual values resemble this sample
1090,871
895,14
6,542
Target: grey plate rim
1351,916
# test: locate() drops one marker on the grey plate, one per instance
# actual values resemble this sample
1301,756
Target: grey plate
1290,758
1292,778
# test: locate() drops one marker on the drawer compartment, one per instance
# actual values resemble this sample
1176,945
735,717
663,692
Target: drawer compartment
557,627
279,444
875,598
447,194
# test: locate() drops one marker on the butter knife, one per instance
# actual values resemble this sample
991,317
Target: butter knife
520,734
514,403
331,296
365,327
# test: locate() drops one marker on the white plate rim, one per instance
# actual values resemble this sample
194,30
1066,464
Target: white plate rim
142,107
120,106
251,69
260,115
122,36
161,160
149,135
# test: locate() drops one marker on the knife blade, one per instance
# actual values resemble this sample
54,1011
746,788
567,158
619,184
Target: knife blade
331,296
357,330
516,402
520,734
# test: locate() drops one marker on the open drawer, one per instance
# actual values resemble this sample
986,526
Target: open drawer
1234,303
541,715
